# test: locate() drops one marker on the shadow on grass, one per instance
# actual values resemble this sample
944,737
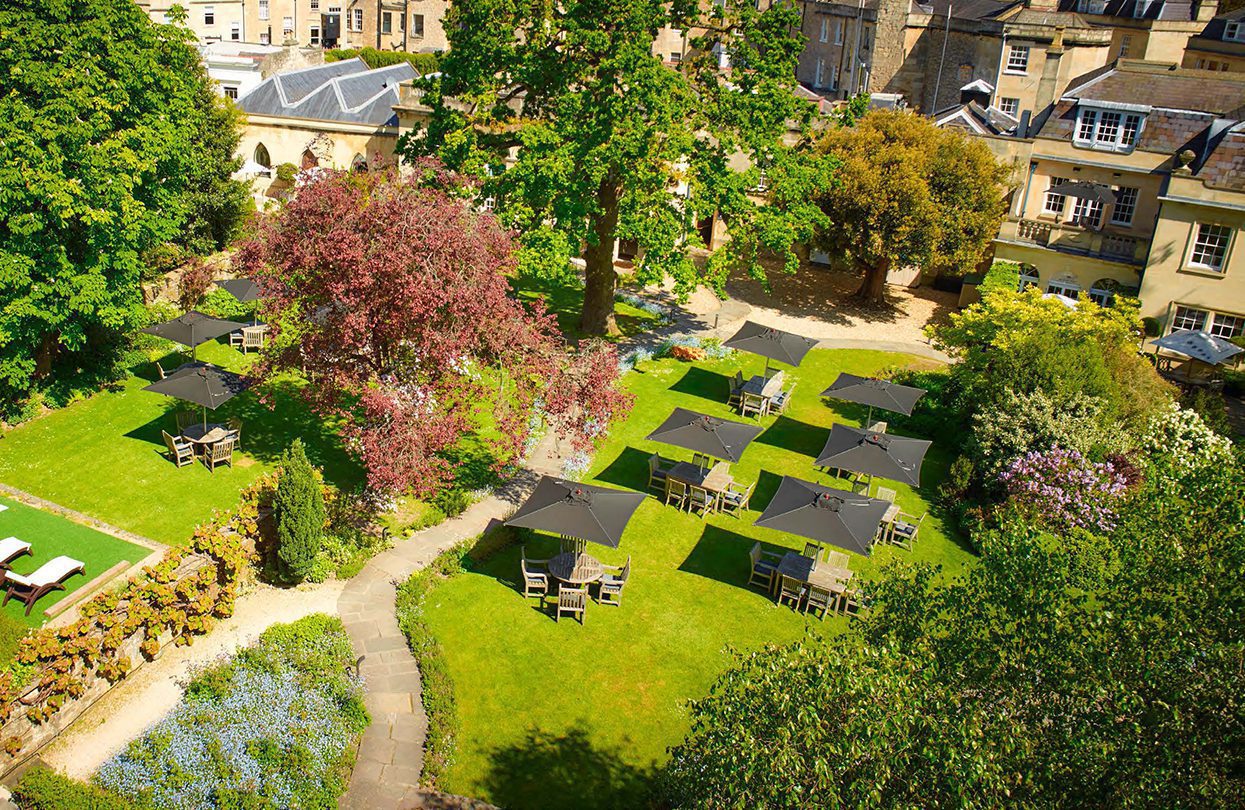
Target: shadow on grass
722,555
767,485
565,770
798,437
629,469
699,382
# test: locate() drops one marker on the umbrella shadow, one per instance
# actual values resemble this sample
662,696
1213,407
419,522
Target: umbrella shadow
566,768
798,437
767,485
629,469
722,555
705,384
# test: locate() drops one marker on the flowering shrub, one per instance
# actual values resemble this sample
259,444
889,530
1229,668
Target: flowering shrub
1179,445
663,314
272,727
1065,490
687,353
575,466
711,348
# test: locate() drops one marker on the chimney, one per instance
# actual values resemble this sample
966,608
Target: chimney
1048,85
1043,5
1207,9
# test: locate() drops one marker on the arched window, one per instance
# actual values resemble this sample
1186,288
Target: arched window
1065,284
1102,291
261,156
310,161
358,164
1028,277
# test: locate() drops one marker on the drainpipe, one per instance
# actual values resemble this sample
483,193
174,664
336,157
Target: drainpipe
946,35
860,27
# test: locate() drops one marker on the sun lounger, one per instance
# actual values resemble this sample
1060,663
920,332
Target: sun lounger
50,577
10,549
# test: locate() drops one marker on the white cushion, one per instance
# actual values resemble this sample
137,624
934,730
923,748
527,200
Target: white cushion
10,547
54,570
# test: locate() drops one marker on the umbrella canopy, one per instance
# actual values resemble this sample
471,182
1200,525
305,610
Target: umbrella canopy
1085,191
895,457
824,515
193,328
875,393
243,289
717,438
576,510
770,343
1067,300
1200,346
250,168
201,383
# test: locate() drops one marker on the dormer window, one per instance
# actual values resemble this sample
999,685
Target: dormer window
1111,130
1143,7
1091,6
1234,31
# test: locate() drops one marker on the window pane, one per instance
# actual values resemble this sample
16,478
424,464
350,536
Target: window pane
1087,213
1053,204
1108,127
1210,245
1125,206
1085,131
1227,326
1018,58
1188,318
1132,124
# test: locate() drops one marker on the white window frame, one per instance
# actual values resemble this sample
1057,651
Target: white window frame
235,31
1188,318
264,39
313,35
1068,288
1055,204
834,76
287,25
823,35
1234,31
230,91
1125,207
263,9
1087,213
1201,244
1028,280
209,15
1107,130
1017,60
315,5
417,26
386,22
1011,106
1226,326
838,32
819,72
356,19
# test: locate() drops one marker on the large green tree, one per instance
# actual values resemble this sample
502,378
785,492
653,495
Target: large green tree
610,143
908,193
112,141
1060,671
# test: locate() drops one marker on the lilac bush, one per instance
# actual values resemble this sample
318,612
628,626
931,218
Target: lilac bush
1066,490
272,727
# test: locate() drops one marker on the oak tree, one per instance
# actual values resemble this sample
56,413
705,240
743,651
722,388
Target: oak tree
583,136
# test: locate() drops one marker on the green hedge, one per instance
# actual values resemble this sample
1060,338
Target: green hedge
423,62
45,789
437,685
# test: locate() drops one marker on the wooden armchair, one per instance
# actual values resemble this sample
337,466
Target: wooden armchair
764,567
737,497
657,469
886,494
792,591
779,402
701,500
573,601
535,581
181,452
904,532
218,453
701,460
184,420
237,340
676,492
253,338
737,389
820,598
610,586
754,404
235,431
813,550
838,559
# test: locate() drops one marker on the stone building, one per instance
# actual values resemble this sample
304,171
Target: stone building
1220,45
1135,183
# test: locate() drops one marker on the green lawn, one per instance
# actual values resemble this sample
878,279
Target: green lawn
104,455
565,301
559,715
51,535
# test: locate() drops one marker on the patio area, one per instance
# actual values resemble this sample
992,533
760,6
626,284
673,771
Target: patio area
564,714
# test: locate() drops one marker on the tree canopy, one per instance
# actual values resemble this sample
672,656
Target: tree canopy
1071,669
112,141
390,294
582,136
909,193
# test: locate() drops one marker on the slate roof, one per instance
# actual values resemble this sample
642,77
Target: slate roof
338,91
1170,88
1158,10
967,9
973,117
1224,167
1214,33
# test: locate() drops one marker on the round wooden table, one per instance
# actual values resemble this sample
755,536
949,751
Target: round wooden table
576,569
198,434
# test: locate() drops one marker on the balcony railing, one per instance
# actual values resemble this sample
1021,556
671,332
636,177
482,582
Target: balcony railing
1071,239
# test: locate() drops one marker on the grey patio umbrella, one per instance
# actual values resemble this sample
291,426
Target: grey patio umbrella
874,393
1085,191
582,511
770,343
192,329
1199,345
203,384
824,515
895,457
717,438
243,289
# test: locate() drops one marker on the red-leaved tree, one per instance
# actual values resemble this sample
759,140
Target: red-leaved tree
390,293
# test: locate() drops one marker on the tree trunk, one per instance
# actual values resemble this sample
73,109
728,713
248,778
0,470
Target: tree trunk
45,354
872,288
600,277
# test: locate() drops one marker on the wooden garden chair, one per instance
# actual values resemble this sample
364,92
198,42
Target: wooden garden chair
657,472
49,577
754,404
610,586
779,402
181,452
701,500
237,340
184,420
792,590
701,460
837,559
573,601
886,494
676,491
253,338
535,581
813,550
235,431
220,452
849,602
820,598
736,497
737,389
904,532
764,567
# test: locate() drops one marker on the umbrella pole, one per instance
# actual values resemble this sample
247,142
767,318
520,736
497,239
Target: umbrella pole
869,418
204,418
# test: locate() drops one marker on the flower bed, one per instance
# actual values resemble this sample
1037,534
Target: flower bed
274,726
